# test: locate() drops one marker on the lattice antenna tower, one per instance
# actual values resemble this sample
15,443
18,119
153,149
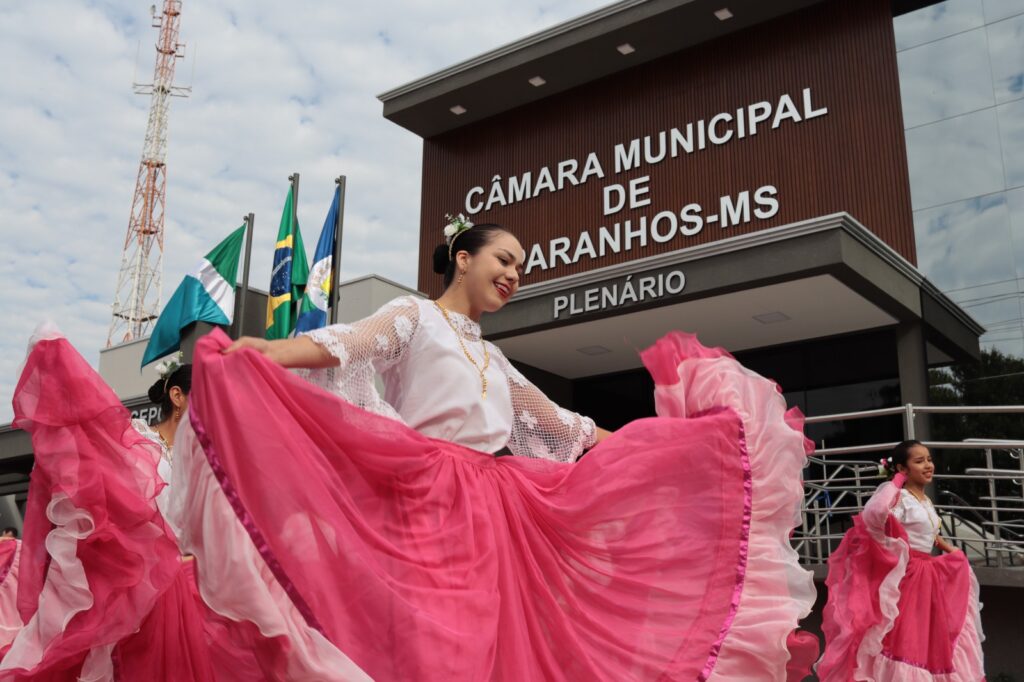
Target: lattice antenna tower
137,299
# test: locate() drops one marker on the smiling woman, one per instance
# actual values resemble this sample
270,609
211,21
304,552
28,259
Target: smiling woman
447,528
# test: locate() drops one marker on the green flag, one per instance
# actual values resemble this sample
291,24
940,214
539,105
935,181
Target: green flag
289,276
207,294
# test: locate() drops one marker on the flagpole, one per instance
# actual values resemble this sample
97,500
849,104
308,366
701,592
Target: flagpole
250,220
339,223
295,305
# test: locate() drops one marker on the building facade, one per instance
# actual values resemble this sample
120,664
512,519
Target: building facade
740,172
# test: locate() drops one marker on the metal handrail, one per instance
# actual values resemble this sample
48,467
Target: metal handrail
990,531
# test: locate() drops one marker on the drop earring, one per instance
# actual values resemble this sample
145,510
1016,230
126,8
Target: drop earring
462,276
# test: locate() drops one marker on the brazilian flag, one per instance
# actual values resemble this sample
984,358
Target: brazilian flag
288,278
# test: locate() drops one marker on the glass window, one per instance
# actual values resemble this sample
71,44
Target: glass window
1011,135
1001,9
997,307
954,159
994,305
1015,210
937,21
1008,345
964,245
945,78
1006,46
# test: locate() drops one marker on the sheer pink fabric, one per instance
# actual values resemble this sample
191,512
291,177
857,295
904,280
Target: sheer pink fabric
99,557
895,614
691,380
104,592
414,558
10,619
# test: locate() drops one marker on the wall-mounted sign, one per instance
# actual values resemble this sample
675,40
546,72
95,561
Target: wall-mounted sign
720,139
149,413
628,291
669,223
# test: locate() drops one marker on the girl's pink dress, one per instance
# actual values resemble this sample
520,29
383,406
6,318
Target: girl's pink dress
895,613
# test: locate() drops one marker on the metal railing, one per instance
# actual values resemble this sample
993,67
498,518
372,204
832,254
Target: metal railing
989,527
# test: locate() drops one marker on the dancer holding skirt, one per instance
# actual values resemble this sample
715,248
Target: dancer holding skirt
896,613
382,538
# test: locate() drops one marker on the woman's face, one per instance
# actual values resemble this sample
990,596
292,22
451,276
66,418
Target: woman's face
492,273
919,468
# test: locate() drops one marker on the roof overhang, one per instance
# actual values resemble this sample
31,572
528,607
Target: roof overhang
814,279
572,53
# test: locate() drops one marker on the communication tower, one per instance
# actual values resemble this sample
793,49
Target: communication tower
137,298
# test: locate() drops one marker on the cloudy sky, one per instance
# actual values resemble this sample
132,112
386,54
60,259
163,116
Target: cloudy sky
277,88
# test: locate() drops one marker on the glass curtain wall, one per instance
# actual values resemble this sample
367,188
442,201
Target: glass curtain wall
961,65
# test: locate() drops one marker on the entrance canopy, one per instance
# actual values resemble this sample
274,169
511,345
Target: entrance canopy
810,280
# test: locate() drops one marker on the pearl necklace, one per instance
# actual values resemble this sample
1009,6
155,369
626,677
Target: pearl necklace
465,351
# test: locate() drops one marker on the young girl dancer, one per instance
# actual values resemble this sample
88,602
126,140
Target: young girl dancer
896,613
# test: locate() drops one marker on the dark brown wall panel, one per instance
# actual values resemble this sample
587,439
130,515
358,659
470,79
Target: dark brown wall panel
853,159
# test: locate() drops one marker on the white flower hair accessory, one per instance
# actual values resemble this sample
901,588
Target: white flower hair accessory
456,226
165,368
885,466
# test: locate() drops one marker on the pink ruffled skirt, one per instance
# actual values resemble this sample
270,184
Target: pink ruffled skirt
366,550
10,619
100,583
899,615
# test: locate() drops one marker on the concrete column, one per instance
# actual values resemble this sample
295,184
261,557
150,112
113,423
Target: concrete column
912,359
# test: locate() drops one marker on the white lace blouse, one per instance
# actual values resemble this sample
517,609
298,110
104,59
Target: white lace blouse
919,519
163,467
430,384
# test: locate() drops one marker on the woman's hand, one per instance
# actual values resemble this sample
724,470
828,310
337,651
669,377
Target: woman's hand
261,346
299,351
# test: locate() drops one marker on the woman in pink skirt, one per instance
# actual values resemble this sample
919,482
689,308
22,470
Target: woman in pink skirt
896,613
380,536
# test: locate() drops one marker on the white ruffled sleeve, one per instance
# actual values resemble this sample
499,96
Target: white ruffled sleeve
364,349
540,428
884,501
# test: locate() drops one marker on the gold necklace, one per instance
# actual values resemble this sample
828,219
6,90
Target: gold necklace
921,501
465,351
168,447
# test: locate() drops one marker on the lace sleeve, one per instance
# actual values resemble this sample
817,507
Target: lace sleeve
540,428
363,349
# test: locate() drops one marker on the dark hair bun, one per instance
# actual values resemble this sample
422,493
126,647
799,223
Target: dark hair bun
441,259
156,391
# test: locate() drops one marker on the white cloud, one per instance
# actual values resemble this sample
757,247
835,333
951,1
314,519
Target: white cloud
277,88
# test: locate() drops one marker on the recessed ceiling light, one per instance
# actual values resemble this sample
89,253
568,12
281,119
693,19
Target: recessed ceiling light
537,81
458,110
626,48
772,318
593,350
723,14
